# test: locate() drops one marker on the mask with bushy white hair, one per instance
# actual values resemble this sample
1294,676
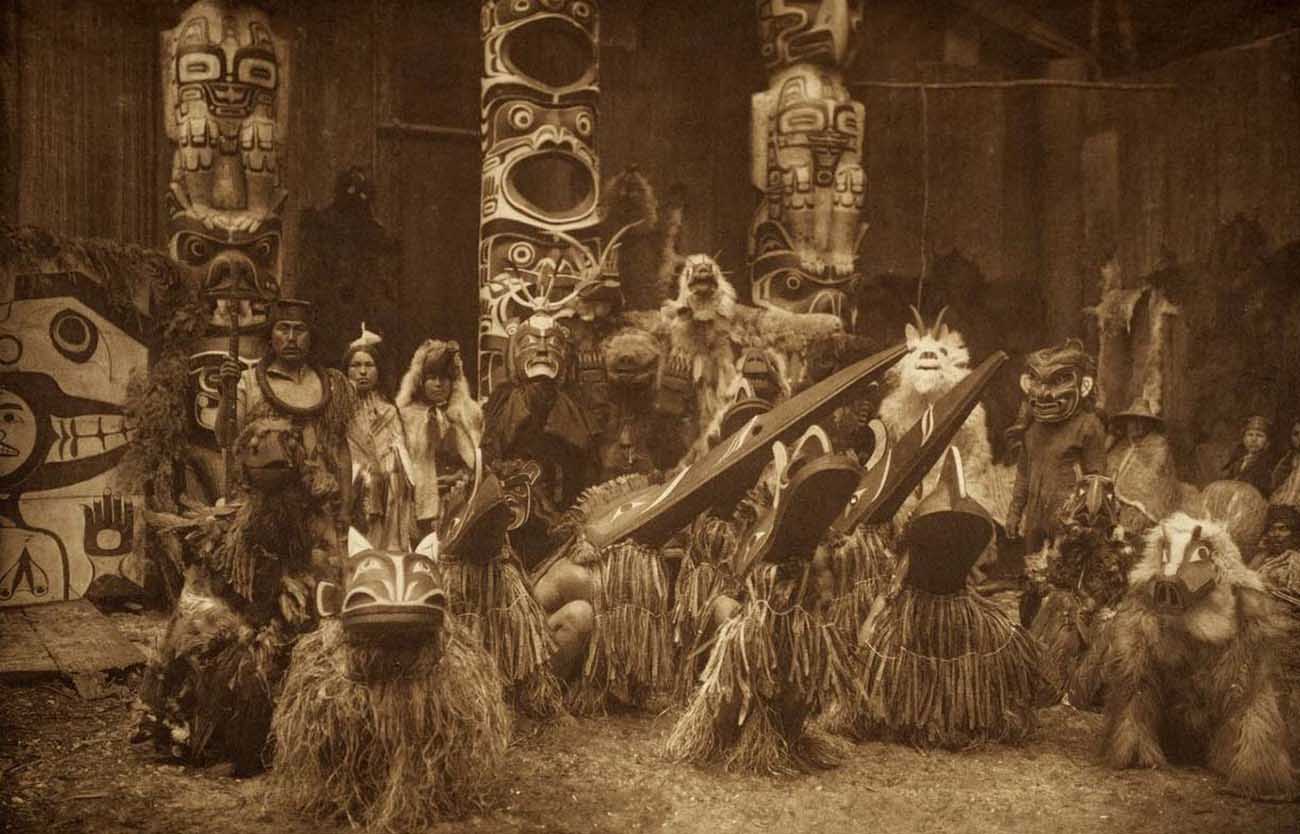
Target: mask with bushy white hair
936,358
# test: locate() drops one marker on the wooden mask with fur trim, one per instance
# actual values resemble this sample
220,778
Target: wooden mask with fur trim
1057,380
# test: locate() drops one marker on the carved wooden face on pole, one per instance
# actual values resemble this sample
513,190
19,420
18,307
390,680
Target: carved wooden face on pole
540,172
225,101
807,158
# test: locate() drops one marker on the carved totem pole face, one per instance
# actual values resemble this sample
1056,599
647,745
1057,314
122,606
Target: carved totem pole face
807,158
225,99
540,171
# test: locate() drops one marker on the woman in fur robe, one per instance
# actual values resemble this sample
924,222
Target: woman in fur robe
1192,666
443,424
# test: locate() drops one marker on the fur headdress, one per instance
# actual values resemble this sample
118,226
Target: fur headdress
461,408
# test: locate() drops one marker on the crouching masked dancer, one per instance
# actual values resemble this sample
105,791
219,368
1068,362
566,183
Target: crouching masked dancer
607,586
391,715
252,565
941,666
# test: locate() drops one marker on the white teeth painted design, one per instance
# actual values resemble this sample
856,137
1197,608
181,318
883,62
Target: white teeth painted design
88,435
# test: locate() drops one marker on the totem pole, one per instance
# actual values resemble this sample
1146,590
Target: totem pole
537,235
225,98
807,158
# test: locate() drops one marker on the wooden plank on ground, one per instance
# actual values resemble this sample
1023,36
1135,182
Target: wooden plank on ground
22,653
80,639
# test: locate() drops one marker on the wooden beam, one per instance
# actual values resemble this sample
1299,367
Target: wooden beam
1015,19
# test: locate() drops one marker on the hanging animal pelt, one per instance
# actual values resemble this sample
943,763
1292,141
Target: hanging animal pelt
1191,669
389,746
773,666
629,653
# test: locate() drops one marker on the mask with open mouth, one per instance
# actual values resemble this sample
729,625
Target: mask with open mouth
1057,381
539,349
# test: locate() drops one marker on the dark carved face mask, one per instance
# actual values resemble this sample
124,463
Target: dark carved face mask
1056,381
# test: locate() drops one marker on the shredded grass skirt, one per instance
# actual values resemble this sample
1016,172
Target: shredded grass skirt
496,605
704,575
947,670
1067,630
391,752
629,654
862,565
773,665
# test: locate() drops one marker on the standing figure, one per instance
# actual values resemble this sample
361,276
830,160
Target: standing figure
1062,438
382,488
1251,461
287,387
443,423
1142,466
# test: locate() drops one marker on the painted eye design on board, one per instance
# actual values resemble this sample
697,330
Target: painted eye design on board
74,336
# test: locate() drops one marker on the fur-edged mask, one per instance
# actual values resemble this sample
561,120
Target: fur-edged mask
936,357
386,597
539,349
1182,559
703,291
1057,380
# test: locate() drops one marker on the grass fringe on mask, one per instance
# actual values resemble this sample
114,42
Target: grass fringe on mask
947,670
495,604
389,753
773,665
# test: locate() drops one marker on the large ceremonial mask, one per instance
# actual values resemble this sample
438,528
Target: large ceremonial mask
225,100
540,173
807,158
386,596
1057,380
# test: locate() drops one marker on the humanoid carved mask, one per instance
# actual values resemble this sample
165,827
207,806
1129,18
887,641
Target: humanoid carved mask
1057,380
539,349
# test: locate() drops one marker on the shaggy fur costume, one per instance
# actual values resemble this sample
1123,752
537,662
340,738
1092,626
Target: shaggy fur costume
773,665
386,742
937,360
710,330
1199,683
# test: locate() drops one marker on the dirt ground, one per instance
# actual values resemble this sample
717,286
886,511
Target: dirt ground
65,766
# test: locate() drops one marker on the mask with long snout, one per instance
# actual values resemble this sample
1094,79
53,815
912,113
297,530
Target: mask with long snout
1187,572
386,597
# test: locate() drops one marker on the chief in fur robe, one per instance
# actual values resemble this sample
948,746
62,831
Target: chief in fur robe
937,360
707,329
1192,667
443,425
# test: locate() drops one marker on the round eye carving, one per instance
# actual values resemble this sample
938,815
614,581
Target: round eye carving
520,117
264,249
74,336
193,249
584,123
793,282
581,11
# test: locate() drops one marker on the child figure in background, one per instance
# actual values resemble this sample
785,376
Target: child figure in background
1251,461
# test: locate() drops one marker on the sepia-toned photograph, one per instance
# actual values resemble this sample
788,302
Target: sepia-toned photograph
655,416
